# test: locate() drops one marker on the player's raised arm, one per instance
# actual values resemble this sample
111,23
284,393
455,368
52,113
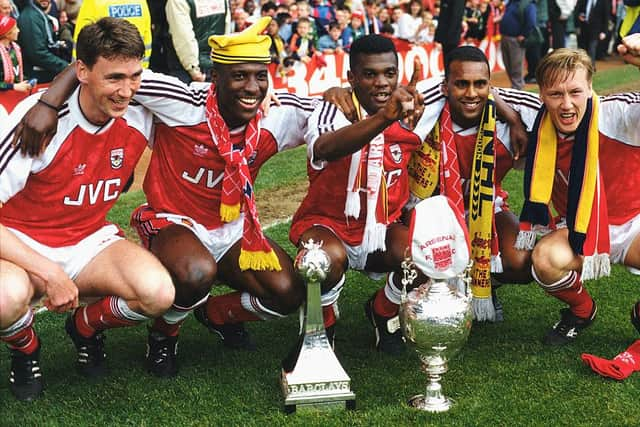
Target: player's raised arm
39,125
347,140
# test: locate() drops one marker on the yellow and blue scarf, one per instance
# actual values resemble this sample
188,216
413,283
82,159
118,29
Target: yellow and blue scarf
587,218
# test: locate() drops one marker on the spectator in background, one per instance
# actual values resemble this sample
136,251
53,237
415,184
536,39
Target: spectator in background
268,9
396,14
409,24
72,9
535,51
559,13
278,47
427,29
304,11
324,13
331,42
190,26
41,49
8,8
354,30
302,44
384,16
284,21
240,21
371,22
592,17
496,10
134,11
11,73
449,25
518,21
251,8
473,19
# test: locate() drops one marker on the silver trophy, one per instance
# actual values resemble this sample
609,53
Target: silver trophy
312,376
436,319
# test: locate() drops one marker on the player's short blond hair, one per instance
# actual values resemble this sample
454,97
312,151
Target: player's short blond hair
562,64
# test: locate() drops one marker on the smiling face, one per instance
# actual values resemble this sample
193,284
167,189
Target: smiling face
241,88
373,78
566,100
108,87
467,90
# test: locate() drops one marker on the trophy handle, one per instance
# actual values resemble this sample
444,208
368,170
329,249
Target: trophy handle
409,274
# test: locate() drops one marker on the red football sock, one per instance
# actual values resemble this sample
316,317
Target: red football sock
228,309
620,367
100,315
25,340
166,329
578,298
382,306
329,316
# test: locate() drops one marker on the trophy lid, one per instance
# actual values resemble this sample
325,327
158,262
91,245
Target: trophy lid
439,239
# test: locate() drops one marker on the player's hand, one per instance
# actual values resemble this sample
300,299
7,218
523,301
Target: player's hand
519,138
418,100
341,98
630,49
198,76
400,105
271,97
61,292
36,129
23,86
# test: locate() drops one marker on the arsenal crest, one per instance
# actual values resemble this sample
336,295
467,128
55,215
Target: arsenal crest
442,257
396,153
117,158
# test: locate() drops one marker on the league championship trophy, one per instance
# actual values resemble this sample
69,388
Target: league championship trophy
436,316
317,379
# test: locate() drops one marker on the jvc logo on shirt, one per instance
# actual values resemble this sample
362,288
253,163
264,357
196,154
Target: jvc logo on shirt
125,11
103,191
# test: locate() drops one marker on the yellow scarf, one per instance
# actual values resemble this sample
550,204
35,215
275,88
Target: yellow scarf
428,166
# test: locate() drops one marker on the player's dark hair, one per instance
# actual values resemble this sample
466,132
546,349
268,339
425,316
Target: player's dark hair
369,45
109,38
465,54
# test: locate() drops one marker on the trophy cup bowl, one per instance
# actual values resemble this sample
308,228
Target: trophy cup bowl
436,316
436,320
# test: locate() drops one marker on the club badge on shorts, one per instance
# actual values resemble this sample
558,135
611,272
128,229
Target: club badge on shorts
117,158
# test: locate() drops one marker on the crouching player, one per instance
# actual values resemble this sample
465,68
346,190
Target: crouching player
56,204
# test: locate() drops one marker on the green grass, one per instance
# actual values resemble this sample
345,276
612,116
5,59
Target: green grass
283,169
504,376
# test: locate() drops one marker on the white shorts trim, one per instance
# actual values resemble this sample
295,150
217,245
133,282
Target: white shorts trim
621,237
73,259
217,241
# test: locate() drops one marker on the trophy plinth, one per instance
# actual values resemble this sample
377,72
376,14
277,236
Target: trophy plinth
316,381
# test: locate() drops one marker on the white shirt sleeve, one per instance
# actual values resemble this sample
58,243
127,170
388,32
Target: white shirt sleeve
325,118
619,117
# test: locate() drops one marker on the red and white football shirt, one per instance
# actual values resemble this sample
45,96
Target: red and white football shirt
63,195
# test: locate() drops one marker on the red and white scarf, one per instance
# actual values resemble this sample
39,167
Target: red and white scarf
8,68
377,215
237,185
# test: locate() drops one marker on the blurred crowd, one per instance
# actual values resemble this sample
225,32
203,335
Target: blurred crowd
36,36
